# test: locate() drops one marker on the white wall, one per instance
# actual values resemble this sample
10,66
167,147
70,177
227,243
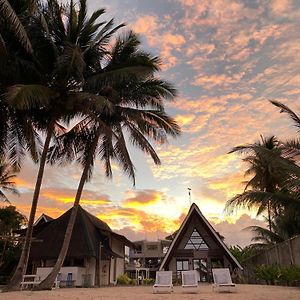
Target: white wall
77,273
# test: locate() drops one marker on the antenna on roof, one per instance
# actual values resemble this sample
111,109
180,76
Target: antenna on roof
190,196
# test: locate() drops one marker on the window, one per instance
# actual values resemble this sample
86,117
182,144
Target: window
138,249
182,265
196,242
152,247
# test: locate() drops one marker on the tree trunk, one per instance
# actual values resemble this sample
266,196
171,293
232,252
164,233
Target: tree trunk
269,215
48,282
16,279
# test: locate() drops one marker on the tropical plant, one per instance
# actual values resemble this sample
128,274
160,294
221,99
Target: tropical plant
274,274
273,187
10,221
7,183
242,254
11,14
267,177
68,46
136,106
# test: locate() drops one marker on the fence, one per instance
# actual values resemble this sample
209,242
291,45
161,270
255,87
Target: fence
286,253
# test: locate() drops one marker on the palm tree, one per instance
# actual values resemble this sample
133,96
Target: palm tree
67,47
7,183
285,226
135,107
266,176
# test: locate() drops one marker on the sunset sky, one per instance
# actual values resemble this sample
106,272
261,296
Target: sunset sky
227,59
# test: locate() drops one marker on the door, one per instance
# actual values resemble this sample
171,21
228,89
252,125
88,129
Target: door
201,266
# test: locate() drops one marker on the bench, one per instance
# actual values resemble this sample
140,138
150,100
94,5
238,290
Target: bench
30,280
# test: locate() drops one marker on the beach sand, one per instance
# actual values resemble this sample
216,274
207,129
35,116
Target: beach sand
244,292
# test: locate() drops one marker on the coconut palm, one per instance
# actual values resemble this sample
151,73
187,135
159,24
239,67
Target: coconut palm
285,226
7,176
67,46
272,174
136,106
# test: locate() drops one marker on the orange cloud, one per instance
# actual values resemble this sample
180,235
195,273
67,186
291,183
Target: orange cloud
141,199
68,196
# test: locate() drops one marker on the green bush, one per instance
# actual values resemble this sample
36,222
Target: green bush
149,281
289,275
124,280
274,274
268,273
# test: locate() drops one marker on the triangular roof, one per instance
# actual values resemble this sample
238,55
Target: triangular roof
43,218
87,233
195,209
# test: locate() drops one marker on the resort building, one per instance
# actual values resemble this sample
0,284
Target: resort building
96,255
197,246
146,257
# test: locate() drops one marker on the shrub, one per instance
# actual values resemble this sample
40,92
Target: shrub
149,281
289,275
273,274
268,273
124,280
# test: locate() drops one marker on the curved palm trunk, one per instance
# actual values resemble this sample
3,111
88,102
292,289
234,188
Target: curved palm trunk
16,279
48,282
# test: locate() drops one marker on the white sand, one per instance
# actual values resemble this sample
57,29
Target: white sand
244,292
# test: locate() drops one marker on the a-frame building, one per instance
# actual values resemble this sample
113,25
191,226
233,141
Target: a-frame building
197,246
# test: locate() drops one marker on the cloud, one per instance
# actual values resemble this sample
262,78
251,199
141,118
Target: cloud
142,199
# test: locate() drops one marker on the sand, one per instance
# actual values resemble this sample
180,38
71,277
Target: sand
244,292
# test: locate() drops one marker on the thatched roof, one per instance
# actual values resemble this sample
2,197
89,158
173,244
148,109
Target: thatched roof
87,234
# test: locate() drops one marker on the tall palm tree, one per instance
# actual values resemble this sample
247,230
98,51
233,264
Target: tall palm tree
67,46
7,176
266,177
136,106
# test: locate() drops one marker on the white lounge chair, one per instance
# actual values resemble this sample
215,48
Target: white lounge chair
222,280
163,282
189,281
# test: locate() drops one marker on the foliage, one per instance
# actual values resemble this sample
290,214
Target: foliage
124,280
273,188
7,175
10,220
149,281
274,274
242,253
268,273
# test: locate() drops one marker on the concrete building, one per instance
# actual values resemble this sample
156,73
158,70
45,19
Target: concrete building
147,257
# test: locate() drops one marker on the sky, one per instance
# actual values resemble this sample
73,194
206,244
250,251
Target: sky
227,59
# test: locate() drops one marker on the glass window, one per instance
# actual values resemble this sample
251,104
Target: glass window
182,265
196,241
201,266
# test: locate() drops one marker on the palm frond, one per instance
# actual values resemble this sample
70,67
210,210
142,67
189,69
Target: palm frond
15,24
29,96
285,109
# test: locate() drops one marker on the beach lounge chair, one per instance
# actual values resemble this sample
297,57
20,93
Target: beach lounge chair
189,281
222,280
163,282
